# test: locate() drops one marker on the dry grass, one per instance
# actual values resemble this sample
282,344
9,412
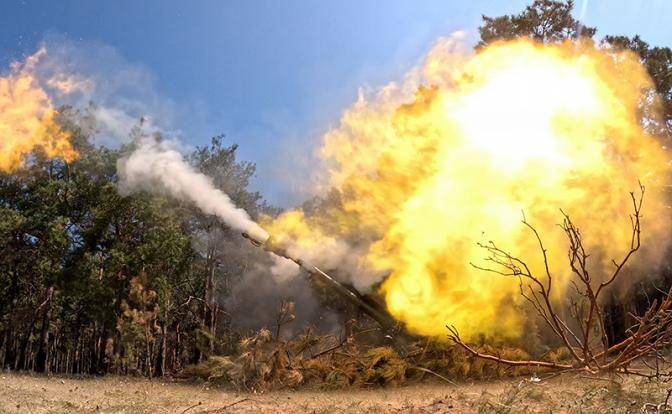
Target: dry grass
564,394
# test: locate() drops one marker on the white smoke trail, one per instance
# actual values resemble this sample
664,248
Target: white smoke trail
156,167
122,93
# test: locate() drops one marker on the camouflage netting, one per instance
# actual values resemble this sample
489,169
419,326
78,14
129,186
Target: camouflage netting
263,363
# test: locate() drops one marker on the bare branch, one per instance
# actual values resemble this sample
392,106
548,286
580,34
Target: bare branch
651,332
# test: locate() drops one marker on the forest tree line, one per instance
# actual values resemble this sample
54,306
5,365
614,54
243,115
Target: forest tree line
93,281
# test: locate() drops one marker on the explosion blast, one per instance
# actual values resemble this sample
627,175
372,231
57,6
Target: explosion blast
27,118
516,127
424,173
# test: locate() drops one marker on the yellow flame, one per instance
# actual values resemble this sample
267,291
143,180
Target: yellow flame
27,118
291,230
518,126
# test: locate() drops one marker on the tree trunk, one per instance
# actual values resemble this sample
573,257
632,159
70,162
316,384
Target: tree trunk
42,356
208,296
24,352
149,346
9,355
160,367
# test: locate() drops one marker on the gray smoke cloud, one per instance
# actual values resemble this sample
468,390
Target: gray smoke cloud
343,260
257,299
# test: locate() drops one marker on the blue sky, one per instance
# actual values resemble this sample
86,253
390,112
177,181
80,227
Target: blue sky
272,75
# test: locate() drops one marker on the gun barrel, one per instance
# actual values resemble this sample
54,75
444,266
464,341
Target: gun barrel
354,297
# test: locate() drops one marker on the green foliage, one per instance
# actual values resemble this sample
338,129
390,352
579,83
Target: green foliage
130,278
544,21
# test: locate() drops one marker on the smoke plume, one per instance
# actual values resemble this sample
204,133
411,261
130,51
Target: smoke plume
155,166
117,94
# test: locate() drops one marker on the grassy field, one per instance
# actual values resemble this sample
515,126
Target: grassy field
573,394
579,394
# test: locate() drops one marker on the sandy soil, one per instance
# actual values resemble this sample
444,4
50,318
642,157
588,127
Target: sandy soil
22,393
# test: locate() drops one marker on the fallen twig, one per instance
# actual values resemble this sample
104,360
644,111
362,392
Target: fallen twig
429,371
189,408
226,407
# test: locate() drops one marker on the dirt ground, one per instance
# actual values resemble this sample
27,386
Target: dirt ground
22,393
